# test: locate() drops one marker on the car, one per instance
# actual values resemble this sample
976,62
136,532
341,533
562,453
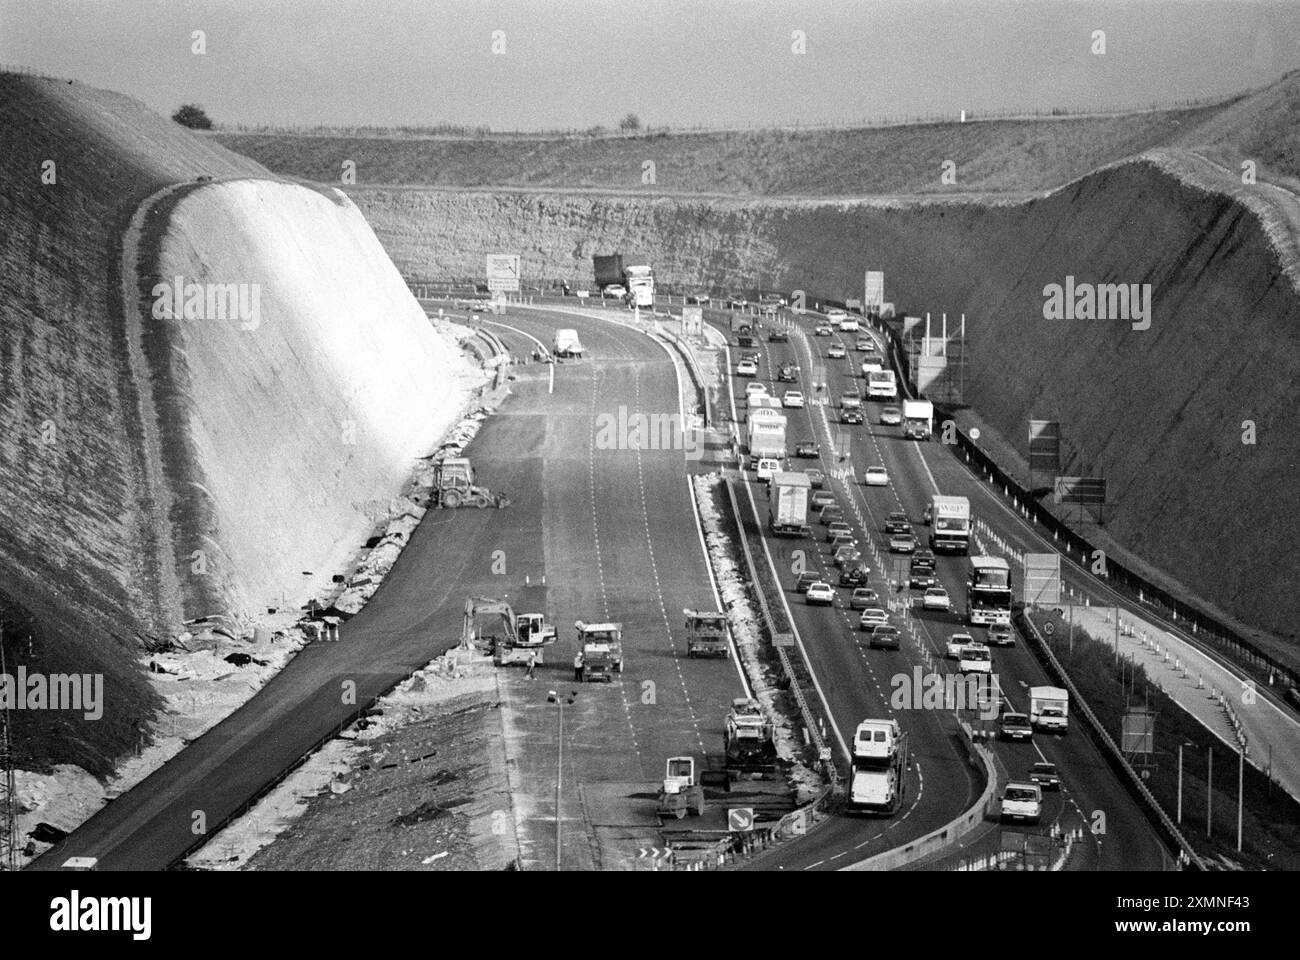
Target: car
1045,775
846,554
891,416
1022,802
756,388
753,356
850,400
807,449
936,598
862,598
615,291
849,325
835,315
824,330
854,574
870,364
736,300
788,373
821,498
873,615
850,416
956,643
778,335
886,636
928,517
806,580
1001,635
835,529
830,513
876,477
840,539
747,368
897,522
766,467
821,593
792,398
863,344
923,558
703,299
902,542
975,658
921,577
836,351
816,479
1015,726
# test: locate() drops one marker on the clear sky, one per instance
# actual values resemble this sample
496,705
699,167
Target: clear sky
577,63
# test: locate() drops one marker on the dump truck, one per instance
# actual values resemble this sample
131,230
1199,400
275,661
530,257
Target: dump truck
1049,709
788,503
918,419
878,779
680,794
454,485
750,741
602,650
706,634
518,638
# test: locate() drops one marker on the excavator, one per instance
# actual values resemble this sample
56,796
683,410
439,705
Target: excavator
521,636
454,486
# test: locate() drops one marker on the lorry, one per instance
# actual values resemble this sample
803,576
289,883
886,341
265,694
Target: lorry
881,385
640,283
750,741
680,794
878,779
788,495
454,485
950,524
706,634
918,419
602,650
766,437
742,328
1049,708
567,344
608,269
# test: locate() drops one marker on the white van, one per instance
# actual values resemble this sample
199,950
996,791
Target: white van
567,344
766,468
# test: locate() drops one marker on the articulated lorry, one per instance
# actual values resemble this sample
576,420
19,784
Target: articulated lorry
881,385
788,503
766,437
1049,709
878,780
742,328
950,525
918,419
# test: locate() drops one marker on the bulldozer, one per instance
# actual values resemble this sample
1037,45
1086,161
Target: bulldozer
751,741
680,794
454,486
522,635
602,650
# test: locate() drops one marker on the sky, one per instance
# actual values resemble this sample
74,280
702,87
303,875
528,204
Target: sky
573,64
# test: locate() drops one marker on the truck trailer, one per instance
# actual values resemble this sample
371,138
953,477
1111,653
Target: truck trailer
878,780
608,270
788,504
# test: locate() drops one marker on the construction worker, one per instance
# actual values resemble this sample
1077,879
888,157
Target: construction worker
577,666
532,665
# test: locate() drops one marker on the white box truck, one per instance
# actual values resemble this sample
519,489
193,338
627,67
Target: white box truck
950,524
918,419
640,283
1049,709
766,437
788,503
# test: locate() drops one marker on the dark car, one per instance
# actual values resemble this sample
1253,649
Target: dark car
816,479
1001,635
923,558
821,498
805,580
847,555
862,598
897,522
1045,775
753,356
850,416
886,636
836,528
922,577
1015,726
807,449
842,538
831,513
778,335
854,575
788,373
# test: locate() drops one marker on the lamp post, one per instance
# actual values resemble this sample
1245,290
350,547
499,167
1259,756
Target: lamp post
554,697
1185,743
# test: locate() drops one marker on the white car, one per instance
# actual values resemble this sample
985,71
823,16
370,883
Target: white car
872,617
975,658
956,642
836,351
872,364
755,390
746,368
792,398
835,315
820,592
767,466
848,325
824,330
891,416
1022,802
614,291
936,598
876,477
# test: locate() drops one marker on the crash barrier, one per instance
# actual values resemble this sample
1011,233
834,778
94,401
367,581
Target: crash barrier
1110,751
1079,549
692,364
949,833
745,845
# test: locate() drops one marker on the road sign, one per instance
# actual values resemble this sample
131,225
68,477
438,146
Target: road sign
692,321
1045,445
1137,735
874,297
503,272
783,639
740,819
1042,581
1081,490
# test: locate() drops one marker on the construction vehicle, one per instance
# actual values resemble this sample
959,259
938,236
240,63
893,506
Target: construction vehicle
518,639
602,650
878,780
706,634
751,741
454,486
680,794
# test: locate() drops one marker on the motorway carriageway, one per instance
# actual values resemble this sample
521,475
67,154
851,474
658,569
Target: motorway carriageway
611,534
857,680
